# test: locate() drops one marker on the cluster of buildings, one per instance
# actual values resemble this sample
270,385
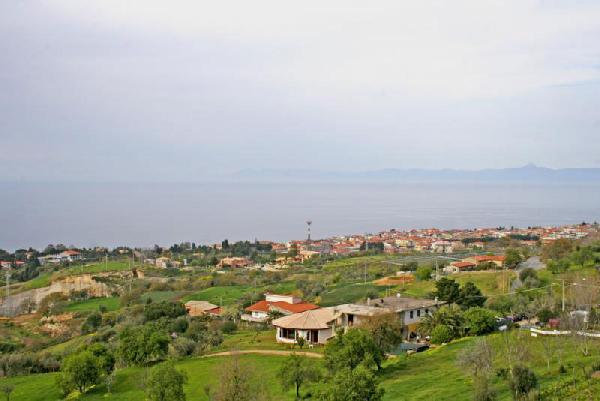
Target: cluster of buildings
292,318
69,255
445,241
475,263
316,325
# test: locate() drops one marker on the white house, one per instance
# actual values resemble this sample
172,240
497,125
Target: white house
315,326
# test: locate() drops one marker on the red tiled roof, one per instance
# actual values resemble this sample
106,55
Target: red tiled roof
265,306
462,265
71,252
488,258
260,306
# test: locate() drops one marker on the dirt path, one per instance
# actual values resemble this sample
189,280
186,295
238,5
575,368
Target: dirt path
265,352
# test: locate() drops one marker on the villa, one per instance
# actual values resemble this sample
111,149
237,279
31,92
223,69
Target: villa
283,304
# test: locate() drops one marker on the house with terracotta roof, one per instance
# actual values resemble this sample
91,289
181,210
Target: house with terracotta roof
319,325
283,304
234,262
498,260
457,267
199,308
65,256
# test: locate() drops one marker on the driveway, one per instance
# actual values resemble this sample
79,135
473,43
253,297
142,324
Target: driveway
265,352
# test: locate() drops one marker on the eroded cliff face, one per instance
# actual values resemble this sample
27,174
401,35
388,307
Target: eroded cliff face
14,304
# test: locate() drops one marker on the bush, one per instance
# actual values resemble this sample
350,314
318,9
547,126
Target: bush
78,372
165,383
182,346
92,323
155,311
423,273
179,325
140,345
523,381
228,327
480,321
441,334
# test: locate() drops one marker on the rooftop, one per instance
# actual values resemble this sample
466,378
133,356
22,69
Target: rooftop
310,320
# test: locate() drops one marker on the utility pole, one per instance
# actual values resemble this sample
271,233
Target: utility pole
437,275
563,294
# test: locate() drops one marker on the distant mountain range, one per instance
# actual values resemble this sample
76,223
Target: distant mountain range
528,173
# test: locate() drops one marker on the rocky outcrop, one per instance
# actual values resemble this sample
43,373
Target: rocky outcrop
15,304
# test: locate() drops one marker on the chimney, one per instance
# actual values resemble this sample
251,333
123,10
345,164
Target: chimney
368,301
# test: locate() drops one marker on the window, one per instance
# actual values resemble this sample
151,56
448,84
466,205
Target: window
287,333
412,314
418,312
427,311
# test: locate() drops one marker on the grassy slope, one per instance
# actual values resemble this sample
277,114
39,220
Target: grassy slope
432,375
93,304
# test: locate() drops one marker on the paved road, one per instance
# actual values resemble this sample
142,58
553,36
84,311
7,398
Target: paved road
266,352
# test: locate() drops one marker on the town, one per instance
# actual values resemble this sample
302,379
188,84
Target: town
384,300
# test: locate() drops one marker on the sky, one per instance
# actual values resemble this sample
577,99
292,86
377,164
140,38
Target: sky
119,90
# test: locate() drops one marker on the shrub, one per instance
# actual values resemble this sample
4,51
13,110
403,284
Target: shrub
423,273
78,372
182,346
480,321
441,334
228,327
92,323
179,325
155,311
165,383
523,381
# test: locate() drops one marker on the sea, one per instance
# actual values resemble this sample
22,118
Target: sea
144,214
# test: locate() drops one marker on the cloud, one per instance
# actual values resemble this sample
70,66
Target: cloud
129,88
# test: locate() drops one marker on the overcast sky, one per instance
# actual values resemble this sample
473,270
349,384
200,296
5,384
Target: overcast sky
161,90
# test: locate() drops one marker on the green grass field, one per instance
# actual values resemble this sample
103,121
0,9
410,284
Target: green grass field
225,295
432,375
348,293
93,304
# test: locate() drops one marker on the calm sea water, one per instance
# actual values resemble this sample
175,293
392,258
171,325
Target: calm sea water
145,214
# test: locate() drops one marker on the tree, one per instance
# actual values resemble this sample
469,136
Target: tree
478,361
104,357
386,330
480,321
359,384
423,273
155,311
78,372
295,371
165,383
512,258
447,290
7,389
523,382
238,382
441,334
352,348
556,249
470,296
448,315
142,344
92,322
